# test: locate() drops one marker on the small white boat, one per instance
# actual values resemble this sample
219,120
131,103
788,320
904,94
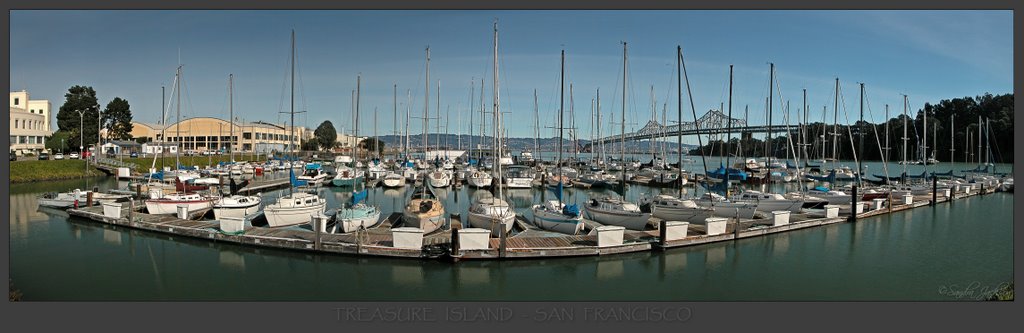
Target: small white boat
168,203
237,206
359,215
493,214
314,174
440,178
615,211
423,211
727,208
769,202
670,208
519,177
559,217
294,209
393,180
63,199
479,179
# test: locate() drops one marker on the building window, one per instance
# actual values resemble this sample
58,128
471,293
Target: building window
14,139
22,139
247,135
15,101
15,123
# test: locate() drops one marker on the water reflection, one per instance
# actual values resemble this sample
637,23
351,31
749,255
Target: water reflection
610,269
231,259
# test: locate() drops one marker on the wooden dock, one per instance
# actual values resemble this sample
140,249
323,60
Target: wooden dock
526,240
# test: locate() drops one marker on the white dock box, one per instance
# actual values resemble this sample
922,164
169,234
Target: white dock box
908,199
831,211
676,230
780,217
947,192
123,173
609,235
715,225
878,203
112,209
474,239
407,238
859,208
182,212
232,224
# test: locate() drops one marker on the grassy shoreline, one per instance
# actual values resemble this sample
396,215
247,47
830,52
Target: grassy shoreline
31,171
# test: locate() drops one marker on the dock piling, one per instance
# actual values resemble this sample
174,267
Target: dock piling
131,211
935,190
853,205
503,235
88,199
455,252
662,235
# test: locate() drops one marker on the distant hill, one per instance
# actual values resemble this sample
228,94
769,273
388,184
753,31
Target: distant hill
515,144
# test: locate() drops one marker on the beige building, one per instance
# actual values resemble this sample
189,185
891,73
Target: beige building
213,134
30,123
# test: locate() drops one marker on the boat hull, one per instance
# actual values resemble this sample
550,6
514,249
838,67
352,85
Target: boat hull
628,220
289,216
170,207
346,181
489,222
556,222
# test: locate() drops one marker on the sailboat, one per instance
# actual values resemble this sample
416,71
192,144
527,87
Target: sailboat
555,215
493,212
618,211
424,211
394,178
295,207
234,205
345,174
161,203
358,215
63,199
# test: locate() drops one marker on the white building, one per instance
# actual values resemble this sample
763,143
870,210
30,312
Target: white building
30,123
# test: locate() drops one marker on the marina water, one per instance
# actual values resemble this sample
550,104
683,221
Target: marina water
950,252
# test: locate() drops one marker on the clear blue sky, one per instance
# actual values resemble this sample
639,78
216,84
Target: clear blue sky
928,55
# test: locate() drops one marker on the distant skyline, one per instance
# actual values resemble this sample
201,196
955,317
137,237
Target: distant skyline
928,55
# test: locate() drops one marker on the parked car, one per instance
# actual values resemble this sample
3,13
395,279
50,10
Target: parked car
58,156
44,156
73,156
14,157
134,154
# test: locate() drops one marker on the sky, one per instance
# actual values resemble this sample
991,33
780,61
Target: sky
927,55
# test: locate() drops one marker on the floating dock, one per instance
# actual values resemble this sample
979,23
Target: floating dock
389,239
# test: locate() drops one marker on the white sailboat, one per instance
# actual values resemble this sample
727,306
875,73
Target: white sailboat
618,211
423,210
555,215
493,212
296,207
236,206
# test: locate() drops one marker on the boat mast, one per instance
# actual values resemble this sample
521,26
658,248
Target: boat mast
679,114
394,103
359,78
177,123
728,139
472,108
860,135
622,133
408,110
835,128
951,145
886,149
770,152
231,116
291,189
536,126
903,180
803,131
426,117
561,115
497,115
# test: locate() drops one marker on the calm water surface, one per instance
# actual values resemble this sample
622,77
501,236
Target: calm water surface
921,254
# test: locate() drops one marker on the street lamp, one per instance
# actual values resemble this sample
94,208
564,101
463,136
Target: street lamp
81,129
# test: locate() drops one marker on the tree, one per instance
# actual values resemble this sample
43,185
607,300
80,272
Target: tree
58,142
370,143
84,126
309,145
117,119
325,135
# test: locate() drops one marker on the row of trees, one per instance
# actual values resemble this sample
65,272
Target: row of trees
325,137
997,110
78,119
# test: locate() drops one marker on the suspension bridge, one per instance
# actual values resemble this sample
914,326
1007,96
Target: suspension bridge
712,122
